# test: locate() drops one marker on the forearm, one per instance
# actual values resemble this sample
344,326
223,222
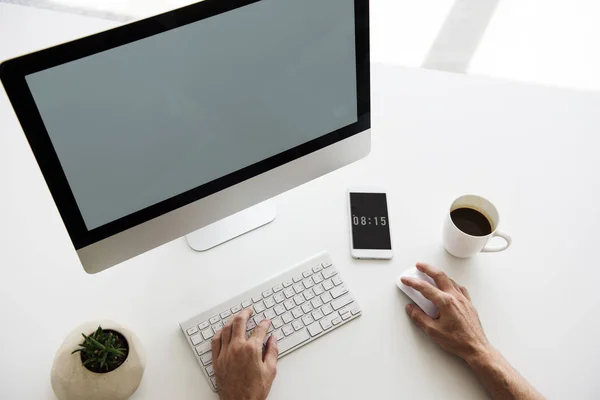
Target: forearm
500,379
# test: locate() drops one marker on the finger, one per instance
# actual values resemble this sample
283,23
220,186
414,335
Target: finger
271,353
423,320
240,321
428,291
465,292
216,345
225,335
439,277
461,289
260,332
455,286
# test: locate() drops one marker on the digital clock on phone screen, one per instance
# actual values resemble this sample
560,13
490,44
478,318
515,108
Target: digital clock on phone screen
356,220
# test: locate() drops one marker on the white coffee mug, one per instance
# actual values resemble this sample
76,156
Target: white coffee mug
463,245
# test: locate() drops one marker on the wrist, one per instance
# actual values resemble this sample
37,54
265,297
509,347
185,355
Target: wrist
480,356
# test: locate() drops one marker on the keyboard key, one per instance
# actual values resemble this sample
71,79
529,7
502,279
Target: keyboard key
346,316
318,268
192,330
308,283
289,292
307,307
316,302
287,330
270,314
315,329
325,323
214,319
308,294
247,303
289,304
308,319
278,335
287,283
196,339
225,314
277,288
326,309
267,293
251,324
257,298
207,333
336,321
298,288
297,325
317,278
287,318
293,340
336,280
328,273
277,322
258,318
326,264
269,302
299,300
297,279
206,358
279,297
318,289
356,310
210,371
235,309
346,309
326,298
307,273
317,315
203,348
342,301
217,327
328,285
297,312
213,380
203,325
338,291
269,331
259,307
279,309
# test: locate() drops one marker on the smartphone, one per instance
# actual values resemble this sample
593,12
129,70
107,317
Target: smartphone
369,223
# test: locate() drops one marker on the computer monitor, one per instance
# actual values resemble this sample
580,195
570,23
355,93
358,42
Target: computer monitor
150,131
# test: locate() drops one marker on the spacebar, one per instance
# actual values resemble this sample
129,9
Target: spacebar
293,340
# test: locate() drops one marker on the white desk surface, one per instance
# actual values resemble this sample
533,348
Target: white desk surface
531,150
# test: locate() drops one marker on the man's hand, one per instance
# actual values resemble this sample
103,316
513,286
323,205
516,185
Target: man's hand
243,370
457,329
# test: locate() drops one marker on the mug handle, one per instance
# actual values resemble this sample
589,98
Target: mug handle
498,247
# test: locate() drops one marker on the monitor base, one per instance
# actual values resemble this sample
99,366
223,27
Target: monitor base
233,226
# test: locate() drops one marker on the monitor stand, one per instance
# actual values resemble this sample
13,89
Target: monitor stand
233,226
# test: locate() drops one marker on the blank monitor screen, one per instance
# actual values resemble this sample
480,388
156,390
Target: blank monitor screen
146,121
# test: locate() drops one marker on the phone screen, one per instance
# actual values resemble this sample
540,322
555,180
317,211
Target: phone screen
370,221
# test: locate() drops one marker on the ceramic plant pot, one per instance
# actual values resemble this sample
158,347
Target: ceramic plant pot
71,380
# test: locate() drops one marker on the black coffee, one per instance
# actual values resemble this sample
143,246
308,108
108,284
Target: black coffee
471,222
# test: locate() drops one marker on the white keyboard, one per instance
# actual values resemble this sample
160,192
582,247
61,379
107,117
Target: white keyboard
303,304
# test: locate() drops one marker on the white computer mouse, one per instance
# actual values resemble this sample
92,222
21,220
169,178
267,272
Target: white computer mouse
425,305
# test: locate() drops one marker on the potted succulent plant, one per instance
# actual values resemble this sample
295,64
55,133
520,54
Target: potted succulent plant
98,360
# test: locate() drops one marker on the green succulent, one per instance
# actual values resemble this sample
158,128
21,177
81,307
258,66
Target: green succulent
102,351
